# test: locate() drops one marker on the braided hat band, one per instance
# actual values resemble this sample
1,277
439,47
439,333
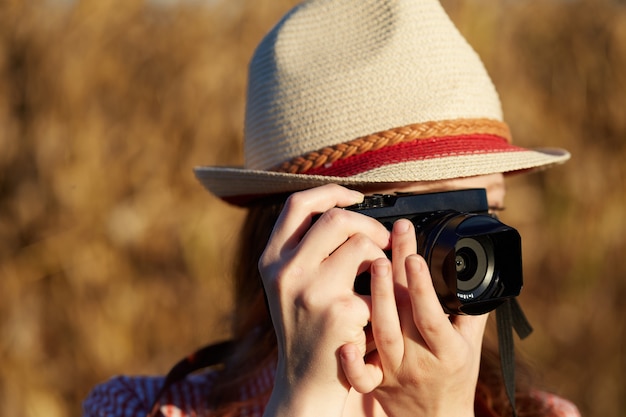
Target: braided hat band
448,134
423,152
357,92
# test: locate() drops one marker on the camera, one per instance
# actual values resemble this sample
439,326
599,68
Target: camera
474,259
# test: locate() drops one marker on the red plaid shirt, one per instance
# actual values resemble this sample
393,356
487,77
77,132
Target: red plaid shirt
125,396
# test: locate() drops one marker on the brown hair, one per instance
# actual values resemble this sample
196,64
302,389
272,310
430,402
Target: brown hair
256,347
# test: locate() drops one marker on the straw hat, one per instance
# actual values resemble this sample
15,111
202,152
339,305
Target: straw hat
368,91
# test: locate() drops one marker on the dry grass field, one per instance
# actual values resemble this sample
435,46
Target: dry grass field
114,260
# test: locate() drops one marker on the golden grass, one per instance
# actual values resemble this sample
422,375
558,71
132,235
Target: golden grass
114,260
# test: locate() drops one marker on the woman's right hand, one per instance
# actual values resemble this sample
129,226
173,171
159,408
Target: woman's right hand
308,270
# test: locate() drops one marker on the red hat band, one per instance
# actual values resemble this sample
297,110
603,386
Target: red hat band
405,144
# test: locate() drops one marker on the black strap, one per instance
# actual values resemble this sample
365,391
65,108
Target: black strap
205,357
509,316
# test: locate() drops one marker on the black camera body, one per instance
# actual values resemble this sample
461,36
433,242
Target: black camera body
475,261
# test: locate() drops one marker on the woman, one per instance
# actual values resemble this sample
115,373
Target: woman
346,98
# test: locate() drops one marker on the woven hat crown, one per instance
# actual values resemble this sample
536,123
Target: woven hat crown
357,92
335,70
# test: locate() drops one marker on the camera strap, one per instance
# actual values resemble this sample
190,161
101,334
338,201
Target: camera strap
509,316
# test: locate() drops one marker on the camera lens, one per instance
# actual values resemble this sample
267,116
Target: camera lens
474,263
466,264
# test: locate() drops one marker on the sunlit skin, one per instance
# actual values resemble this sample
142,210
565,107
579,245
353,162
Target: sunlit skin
424,363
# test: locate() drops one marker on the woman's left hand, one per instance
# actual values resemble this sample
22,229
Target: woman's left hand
426,361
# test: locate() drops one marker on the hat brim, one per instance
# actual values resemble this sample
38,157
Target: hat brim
240,186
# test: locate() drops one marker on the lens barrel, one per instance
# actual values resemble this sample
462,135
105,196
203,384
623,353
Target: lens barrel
474,260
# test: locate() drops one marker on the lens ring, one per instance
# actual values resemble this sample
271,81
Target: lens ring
474,265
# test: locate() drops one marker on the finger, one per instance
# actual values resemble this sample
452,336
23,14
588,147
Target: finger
386,328
295,218
335,227
428,315
363,377
471,327
403,244
353,257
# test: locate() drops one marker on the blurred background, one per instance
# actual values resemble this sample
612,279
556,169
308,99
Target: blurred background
114,260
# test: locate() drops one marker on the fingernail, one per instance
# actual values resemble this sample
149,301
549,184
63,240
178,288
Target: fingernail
401,226
417,262
356,197
347,354
380,268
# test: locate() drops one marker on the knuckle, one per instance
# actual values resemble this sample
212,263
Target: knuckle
333,308
279,277
294,204
335,216
287,273
385,339
365,245
263,263
360,241
332,188
310,300
295,200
